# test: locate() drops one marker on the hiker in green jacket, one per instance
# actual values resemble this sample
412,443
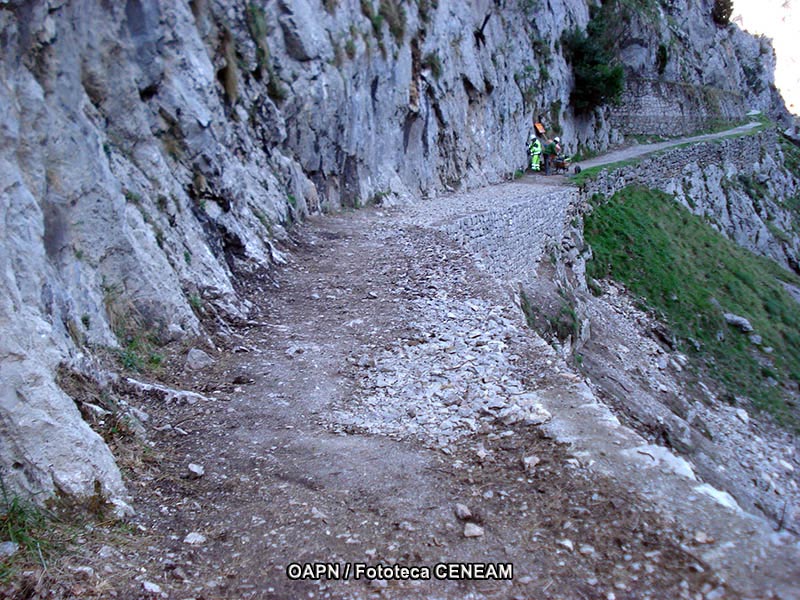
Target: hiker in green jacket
550,153
535,150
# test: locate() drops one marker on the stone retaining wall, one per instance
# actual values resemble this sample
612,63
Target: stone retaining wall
509,227
740,154
655,107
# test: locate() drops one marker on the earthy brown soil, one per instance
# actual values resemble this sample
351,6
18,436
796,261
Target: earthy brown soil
283,484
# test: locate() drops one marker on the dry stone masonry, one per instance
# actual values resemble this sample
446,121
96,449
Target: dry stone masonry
510,227
657,107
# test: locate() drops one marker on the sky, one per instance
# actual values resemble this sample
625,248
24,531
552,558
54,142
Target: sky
779,20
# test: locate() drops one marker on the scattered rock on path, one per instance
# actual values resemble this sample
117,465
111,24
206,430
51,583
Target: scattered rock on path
294,349
462,512
701,537
83,572
151,588
472,530
196,471
196,359
195,539
529,463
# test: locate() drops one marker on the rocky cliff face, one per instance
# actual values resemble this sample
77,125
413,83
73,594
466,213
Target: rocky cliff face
151,151
685,72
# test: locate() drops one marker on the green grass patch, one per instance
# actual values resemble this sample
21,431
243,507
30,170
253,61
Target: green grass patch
683,269
394,14
28,526
140,353
791,156
434,63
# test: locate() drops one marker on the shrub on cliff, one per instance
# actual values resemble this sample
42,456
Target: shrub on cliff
599,78
722,11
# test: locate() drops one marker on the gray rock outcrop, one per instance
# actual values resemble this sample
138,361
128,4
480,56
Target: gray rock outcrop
738,321
685,72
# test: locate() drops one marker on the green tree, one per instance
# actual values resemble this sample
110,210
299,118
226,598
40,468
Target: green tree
722,11
599,78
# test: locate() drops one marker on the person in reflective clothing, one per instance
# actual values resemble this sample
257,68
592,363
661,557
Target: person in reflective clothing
535,150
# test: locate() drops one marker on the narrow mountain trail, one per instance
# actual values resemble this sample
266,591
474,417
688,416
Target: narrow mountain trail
293,473
639,150
385,404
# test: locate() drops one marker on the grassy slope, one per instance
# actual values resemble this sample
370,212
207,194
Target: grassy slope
679,266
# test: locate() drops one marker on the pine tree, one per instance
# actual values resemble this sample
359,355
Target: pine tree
722,11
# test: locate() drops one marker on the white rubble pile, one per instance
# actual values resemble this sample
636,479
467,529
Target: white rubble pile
455,377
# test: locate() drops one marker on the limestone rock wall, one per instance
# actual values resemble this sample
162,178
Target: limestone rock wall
116,209
685,73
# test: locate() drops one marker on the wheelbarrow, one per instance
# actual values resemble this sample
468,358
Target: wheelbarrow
561,163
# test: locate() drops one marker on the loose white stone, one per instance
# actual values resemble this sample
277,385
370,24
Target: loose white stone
472,530
8,548
701,537
530,462
83,572
462,512
567,544
195,539
151,588
196,359
742,415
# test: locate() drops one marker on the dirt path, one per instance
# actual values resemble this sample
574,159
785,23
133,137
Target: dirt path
643,149
382,381
290,478
296,492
